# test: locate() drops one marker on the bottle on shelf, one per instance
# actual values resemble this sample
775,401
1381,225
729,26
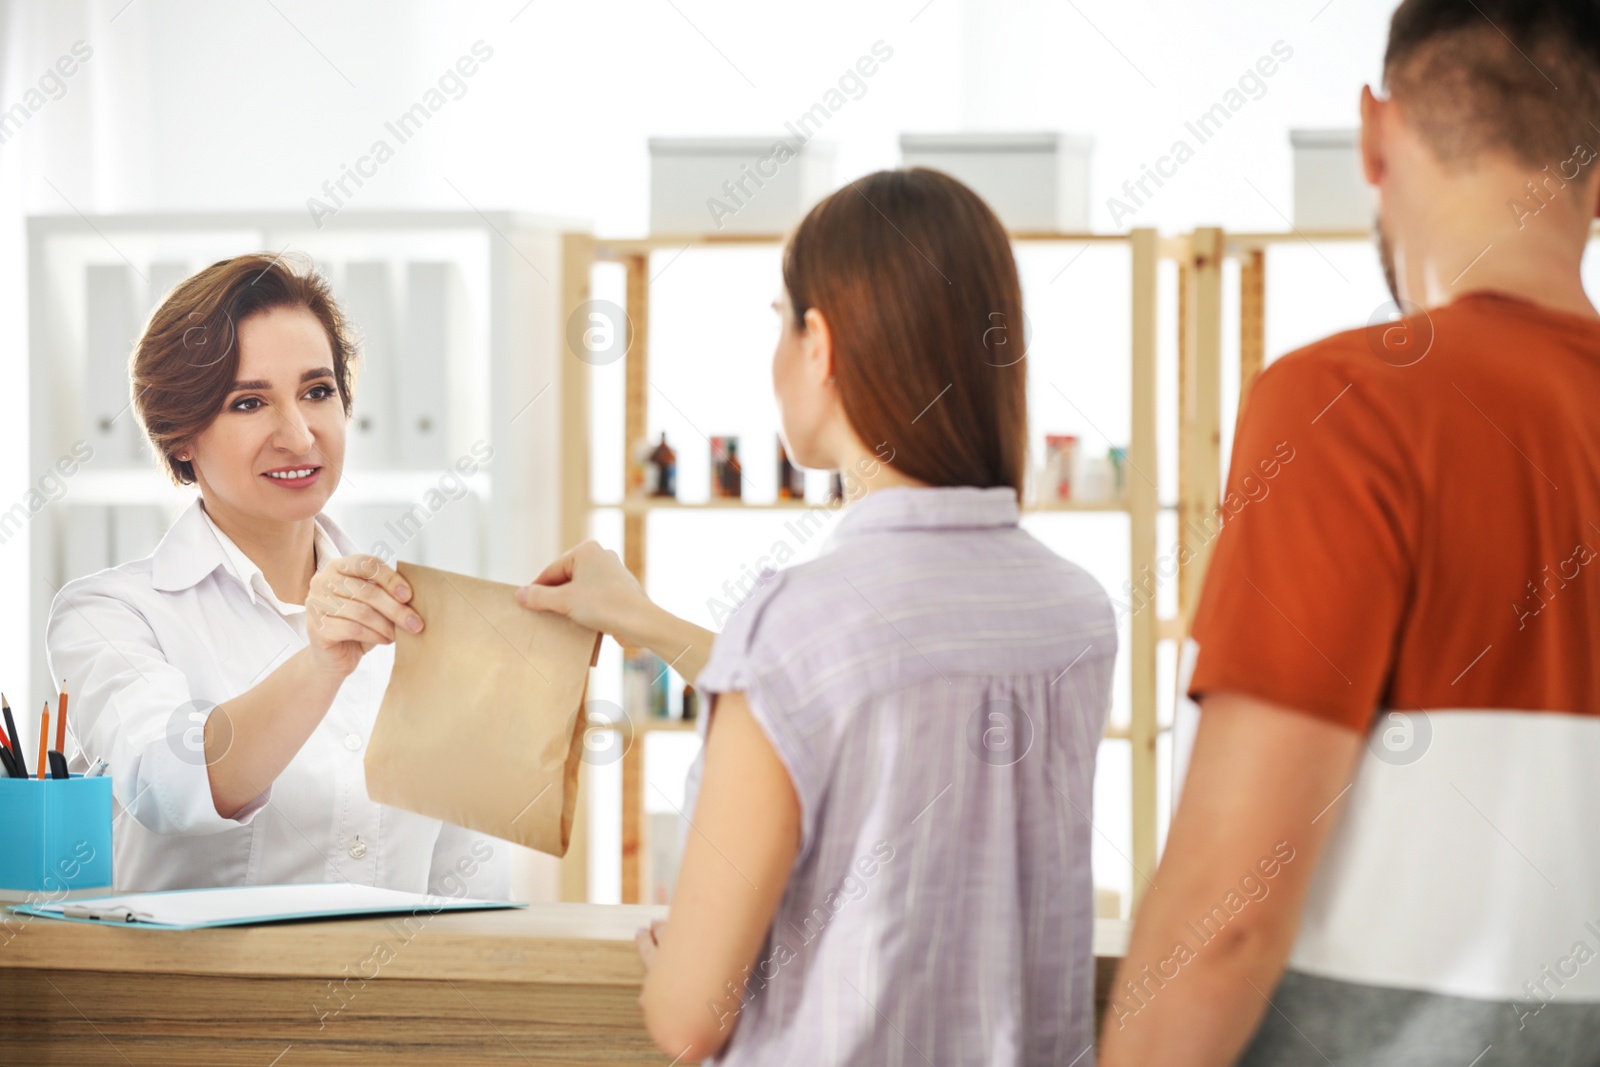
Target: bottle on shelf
691,703
1060,467
1118,457
1097,479
835,487
727,479
665,463
640,475
644,685
791,479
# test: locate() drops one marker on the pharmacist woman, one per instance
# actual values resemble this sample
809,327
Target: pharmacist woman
232,678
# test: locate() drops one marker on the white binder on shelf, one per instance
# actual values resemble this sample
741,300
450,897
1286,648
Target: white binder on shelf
111,325
434,324
369,303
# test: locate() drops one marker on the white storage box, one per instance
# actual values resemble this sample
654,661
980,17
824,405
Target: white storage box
1329,191
1034,181
735,184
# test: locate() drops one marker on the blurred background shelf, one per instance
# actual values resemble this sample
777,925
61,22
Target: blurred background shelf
649,288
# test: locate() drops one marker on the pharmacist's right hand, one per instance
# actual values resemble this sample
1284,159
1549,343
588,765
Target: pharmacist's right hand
590,586
354,603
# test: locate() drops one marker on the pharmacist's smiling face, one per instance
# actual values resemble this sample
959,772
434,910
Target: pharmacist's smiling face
275,451
808,404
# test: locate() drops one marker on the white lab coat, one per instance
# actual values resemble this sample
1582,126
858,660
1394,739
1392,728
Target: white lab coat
150,647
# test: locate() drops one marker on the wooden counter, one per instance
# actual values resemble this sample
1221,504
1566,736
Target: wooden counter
551,984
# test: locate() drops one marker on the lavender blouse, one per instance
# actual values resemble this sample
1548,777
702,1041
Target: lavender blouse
936,683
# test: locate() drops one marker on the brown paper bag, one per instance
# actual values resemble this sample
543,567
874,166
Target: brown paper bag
482,724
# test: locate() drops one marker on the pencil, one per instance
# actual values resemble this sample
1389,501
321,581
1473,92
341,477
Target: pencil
61,720
16,739
44,742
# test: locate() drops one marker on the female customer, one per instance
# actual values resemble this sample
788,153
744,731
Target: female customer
232,677
888,859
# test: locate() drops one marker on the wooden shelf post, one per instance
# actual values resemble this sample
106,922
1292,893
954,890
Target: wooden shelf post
1252,320
635,423
577,257
1144,501
1199,413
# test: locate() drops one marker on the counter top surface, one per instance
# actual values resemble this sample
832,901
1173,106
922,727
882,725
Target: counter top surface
590,944
570,943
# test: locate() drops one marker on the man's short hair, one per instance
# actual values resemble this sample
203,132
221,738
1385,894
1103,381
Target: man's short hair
1520,77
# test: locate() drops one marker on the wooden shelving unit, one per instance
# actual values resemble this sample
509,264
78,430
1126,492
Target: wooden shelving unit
1200,358
1140,503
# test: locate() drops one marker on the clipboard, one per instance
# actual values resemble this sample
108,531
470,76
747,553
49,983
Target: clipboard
250,905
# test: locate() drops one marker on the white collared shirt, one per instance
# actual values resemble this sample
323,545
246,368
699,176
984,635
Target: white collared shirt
148,648
255,582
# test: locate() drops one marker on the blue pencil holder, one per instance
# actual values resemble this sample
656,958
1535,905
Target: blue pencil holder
55,838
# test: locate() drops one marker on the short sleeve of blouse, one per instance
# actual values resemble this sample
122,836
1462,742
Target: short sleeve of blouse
749,657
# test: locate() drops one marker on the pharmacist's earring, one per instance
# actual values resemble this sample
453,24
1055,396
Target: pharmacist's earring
830,379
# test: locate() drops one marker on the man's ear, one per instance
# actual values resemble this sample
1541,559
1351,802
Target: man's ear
1372,118
818,341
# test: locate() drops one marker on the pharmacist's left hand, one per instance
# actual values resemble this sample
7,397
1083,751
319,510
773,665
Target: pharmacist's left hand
590,586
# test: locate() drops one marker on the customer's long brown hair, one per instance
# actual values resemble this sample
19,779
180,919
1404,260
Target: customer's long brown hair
915,277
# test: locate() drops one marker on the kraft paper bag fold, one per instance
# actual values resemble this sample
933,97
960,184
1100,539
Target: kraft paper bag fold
482,724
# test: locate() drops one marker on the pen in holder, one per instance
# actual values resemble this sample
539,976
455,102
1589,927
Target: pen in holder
57,838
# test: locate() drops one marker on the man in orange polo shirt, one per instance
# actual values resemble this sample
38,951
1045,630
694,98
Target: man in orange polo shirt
1386,851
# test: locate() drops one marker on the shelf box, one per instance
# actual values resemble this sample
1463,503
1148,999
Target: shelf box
735,184
1033,181
1329,191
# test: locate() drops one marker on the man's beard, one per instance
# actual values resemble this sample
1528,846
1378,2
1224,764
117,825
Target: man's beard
1386,257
